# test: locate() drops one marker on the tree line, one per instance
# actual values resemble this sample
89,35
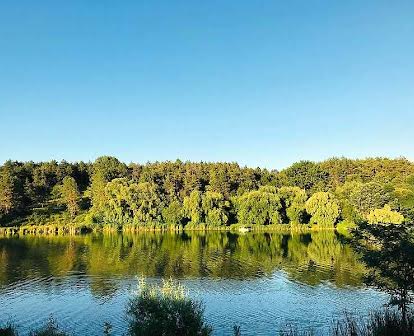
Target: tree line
110,192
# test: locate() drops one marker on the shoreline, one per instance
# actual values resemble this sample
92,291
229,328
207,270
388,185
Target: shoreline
79,230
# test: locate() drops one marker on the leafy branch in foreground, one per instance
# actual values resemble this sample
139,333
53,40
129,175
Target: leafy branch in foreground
388,250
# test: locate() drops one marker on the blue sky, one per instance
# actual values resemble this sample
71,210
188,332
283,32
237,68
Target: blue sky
263,83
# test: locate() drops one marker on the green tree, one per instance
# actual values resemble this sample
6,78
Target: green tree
388,251
293,200
369,196
210,208
306,175
69,195
117,208
127,203
9,197
385,216
145,202
105,169
193,207
261,207
215,208
173,214
324,209
343,193
219,180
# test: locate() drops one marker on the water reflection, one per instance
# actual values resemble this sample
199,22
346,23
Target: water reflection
306,258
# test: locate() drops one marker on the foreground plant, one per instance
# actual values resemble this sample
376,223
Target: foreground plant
51,328
388,251
165,310
385,323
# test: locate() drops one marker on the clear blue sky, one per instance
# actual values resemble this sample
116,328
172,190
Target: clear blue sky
263,83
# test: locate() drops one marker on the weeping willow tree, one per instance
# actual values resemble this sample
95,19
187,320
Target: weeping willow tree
324,209
260,207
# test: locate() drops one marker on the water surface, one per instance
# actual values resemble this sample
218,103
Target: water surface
257,280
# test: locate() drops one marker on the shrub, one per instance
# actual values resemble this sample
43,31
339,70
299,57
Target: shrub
166,311
8,330
385,215
386,323
51,328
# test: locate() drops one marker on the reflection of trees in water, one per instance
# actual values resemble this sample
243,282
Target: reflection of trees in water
325,257
308,258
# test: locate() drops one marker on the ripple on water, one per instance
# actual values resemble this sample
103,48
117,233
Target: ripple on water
255,283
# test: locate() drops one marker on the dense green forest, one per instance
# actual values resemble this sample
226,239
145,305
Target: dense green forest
109,193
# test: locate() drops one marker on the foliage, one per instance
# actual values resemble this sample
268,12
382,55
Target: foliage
105,169
324,209
215,208
385,323
293,199
385,215
209,208
260,207
166,310
388,250
68,194
51,328
343,193
173,214
306,175
9,197
369,196
203,194
145,202
128,202
193,207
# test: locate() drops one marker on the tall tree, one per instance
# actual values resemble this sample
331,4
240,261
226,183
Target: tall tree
215,208
324,209
261,207
9,197
293,201
69,195
192,207
105,169
369,196
306,175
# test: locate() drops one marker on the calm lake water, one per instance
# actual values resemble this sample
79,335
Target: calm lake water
260,281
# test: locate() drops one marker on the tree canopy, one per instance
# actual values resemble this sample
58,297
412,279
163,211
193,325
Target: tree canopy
210,194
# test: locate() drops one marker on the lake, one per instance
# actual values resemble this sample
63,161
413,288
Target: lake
260,281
